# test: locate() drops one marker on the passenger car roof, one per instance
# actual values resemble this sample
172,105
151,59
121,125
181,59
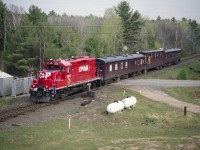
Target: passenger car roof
151,51
119,58
172,50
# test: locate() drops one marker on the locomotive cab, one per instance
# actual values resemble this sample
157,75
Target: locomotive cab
54,75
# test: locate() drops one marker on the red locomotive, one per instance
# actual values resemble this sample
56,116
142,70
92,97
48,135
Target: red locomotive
63,77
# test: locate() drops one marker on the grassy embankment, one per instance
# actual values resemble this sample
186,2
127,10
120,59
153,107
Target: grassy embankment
149,125
5,101
192,72
187,94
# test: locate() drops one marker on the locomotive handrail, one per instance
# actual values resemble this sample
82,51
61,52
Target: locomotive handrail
54,85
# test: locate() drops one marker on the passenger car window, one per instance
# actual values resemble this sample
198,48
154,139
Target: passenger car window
121,65
126,64
116,66
110,67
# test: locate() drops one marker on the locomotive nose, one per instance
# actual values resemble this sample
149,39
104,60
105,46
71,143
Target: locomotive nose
40,88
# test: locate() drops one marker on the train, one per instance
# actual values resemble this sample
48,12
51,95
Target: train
62,77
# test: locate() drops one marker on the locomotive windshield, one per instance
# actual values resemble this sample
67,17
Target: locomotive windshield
53,67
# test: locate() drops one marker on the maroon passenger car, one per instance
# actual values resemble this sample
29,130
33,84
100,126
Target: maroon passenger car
116,67
154,58
172,56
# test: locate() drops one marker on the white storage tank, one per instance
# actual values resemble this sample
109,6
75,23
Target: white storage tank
115,107
129,102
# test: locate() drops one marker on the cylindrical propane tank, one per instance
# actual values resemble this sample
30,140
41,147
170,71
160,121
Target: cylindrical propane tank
129,102
115,107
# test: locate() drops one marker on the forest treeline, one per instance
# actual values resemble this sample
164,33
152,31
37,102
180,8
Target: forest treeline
29,38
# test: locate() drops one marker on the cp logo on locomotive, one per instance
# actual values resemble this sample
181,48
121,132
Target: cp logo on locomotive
43,75
83,68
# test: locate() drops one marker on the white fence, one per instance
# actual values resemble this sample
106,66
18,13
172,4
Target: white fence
21,86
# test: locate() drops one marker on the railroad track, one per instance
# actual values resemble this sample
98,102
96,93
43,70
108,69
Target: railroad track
21,110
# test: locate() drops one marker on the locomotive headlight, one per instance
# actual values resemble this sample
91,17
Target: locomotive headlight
46,87
33,85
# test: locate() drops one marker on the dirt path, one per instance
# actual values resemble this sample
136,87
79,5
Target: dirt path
152,90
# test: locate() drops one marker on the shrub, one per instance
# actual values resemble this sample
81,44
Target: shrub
182,75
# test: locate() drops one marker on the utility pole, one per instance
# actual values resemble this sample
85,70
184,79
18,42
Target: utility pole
145,66
4,44
176,43
145,70
40,55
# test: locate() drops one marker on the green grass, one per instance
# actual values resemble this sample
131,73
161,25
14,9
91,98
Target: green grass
149,125
5,101
192,72
186,94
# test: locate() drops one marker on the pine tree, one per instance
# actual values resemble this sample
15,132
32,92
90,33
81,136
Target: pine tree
131,24
22,57
36,16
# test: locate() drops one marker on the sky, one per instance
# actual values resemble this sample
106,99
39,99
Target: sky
151,9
